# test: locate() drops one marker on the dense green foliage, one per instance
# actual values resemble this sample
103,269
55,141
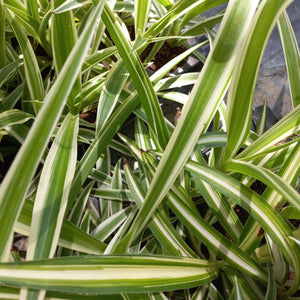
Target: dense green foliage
128,204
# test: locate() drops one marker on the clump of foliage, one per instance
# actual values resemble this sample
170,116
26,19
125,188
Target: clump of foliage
166,221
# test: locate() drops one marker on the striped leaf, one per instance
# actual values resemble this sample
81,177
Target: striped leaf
116,184
241,91
78,208
221,209
200,108
160,225
287,126
99,145
191,218
27,159
289,173
71,237
52,195
261,124
141,12
2,36
69,5
112,194
13,116
263,213
292,56
112,223
272,180
53,191
8,70
63,37
112,88
110,274
32,70
138,75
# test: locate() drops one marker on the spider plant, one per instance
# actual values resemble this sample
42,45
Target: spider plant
130,205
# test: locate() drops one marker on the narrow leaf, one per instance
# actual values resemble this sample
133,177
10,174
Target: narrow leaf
292,56
32,73
240,97
27,159
53,191
13,116
201,106
110,274
138,75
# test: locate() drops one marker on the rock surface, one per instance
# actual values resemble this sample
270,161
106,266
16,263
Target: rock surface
272,82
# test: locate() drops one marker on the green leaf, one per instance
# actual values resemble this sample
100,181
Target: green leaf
201,106
292,56
13,116
160,225
271,290
53,191
139,76
27,159
32,71
23,16
33,9
78,208
8,70
289,212
100,143
261,125
200,8
141,12
240,95
112,223
110,274
159,74
116,184
100,55
165,3
202,26
271,179
260,210
63,37
180,8
112,194
176,81
69,5
112,88
71,237
284,128
2,36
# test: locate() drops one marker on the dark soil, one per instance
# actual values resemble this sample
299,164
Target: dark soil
163,56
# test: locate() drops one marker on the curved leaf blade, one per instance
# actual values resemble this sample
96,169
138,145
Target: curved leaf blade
53,191
292,56
27,159
110,274
240,96
201,106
